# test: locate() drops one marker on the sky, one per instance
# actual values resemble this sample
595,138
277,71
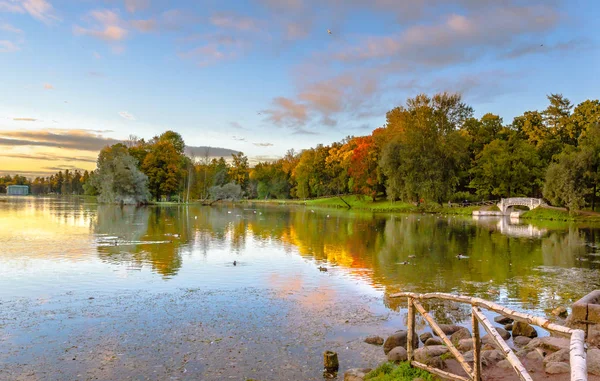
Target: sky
265,76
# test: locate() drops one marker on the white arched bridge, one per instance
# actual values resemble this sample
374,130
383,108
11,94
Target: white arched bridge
506,204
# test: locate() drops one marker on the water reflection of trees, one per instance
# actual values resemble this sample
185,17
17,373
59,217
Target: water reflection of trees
367,246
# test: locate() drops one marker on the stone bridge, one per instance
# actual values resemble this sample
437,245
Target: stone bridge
506,204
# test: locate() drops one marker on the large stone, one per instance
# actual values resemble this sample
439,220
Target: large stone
508,327
457,336
356,374
465,345
537,354
523,329
504,364
375,340
521,341
425,336
503,333
449,329
503,319
433,341
593,361
549,343
431,355
557,368
562,355
397,354
469,356
560,311
491,358
488,341
398,339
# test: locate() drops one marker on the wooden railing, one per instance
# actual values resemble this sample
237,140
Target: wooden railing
577,343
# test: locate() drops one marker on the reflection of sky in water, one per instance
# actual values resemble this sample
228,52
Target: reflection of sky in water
49,247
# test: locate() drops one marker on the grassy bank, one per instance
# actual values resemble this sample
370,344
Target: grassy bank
364,203
556,214
401,372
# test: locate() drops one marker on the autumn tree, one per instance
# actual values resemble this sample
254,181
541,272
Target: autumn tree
239,170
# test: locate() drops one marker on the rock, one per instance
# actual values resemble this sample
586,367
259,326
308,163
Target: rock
356,374
397,354
523,329
593,361
488,347
457,336
488,341
490,358
504,364
536,355
562,355
431,355
398,339
560,311
468,356
433,341
503,333
508,327
375,340
503,319
449,329
557,368
425,336
549,343
521,341
465,345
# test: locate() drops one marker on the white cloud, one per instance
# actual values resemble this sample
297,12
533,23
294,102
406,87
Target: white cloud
40,10
136,5
9,28
8,46
48,86
126,115
108,26
96,55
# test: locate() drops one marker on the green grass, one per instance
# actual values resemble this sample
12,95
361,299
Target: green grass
365,203
552,214
402,372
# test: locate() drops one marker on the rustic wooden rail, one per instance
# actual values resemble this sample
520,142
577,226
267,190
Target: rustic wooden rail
577,347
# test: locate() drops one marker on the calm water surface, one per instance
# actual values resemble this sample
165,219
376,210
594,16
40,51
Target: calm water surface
59,255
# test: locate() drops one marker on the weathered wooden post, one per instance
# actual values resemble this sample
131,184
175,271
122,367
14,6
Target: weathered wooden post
330,360
476,347
410,326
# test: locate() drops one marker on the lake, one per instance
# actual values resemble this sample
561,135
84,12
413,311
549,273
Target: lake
102,292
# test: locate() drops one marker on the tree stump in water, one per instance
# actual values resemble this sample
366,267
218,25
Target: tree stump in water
330,360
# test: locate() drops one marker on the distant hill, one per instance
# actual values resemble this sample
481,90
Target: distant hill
201,151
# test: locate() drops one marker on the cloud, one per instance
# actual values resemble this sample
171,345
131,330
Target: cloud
24,120
62,168
71,139
236,125
8,46
126,115
144,25
10,6
11,29
219,48
287,112
263,144
234,21
96,55
133,6
302,131
40,10
50,157
106,25
96,74
201,151
48,86
239,139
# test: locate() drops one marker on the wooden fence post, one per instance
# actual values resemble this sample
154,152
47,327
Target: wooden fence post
411,330
476,347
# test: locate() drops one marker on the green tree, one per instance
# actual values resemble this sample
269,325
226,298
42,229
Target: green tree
507,168
239,170
164,167
565,181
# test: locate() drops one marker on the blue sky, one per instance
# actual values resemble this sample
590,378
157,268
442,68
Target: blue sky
265,76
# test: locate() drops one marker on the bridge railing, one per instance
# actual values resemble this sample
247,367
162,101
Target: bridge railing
577,336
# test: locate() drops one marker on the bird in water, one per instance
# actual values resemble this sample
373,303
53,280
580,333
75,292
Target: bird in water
460,256
580,259
404,263
412,256
321,268
235,263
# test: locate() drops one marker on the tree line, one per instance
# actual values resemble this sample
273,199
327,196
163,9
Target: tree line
432,148
65,183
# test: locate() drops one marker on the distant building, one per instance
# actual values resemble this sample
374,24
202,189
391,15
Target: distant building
17,190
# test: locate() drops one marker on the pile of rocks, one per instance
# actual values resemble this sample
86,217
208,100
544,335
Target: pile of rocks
552,352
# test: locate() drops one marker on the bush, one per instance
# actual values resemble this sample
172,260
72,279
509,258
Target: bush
459,197
230,191
402,372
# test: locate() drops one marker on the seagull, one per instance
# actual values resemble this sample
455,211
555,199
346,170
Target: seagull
328,31
235,263
460,256
541,45
258,113
404,263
